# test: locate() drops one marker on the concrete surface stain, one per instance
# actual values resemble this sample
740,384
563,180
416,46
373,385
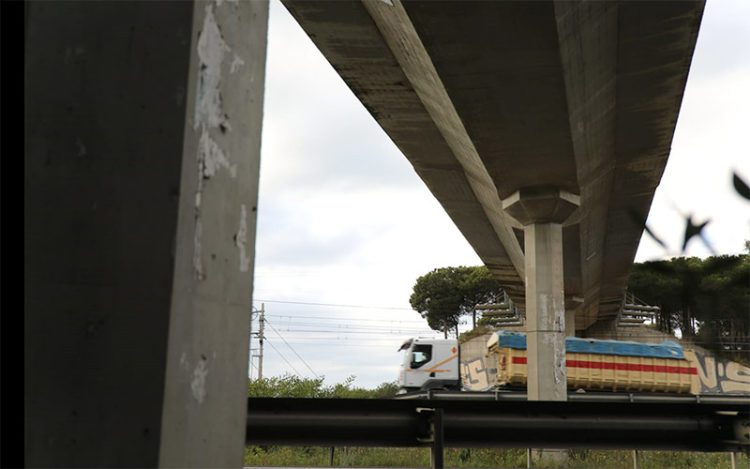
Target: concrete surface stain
211,158
198,384
241,240
209,114
237,62
81,147
197,262
211,50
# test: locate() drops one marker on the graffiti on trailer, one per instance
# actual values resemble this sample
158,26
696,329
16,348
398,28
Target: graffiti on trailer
476,375
717,376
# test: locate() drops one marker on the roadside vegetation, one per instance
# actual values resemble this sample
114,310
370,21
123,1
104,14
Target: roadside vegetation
293,386
707,300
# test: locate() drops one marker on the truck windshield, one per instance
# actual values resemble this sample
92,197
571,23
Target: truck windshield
420,355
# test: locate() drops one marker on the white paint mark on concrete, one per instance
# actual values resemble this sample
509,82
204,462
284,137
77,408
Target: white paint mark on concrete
241,240
387,2
211,158
542,311
237,62
211,50
559,363
198,197
183,361
198,384
81,147
197,261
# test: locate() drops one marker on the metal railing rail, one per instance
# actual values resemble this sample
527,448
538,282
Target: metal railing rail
689,426
635,312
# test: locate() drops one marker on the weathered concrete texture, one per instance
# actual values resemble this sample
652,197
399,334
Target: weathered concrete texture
610,330
485,98
142,151
545,313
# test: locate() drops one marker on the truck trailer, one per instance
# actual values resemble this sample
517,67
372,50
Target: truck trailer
592,365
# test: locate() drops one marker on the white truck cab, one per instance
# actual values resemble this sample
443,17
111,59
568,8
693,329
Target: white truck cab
429,364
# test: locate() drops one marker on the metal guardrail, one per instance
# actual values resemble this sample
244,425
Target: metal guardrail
708,425
516,396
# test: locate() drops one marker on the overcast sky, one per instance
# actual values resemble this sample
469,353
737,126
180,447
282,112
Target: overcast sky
344,220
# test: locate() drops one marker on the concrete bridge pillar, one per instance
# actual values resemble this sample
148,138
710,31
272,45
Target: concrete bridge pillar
570,323
142,137
542,210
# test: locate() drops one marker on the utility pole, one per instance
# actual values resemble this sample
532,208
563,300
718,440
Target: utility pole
261,329
250,342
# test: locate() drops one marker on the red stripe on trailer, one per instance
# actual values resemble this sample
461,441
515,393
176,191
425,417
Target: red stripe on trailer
620,366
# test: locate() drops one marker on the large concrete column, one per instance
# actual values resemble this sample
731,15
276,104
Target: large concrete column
143,128
542,210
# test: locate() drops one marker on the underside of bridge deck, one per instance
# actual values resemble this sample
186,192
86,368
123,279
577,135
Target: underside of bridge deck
487,98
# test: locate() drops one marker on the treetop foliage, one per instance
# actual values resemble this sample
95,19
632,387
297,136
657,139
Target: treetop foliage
708,300
445,294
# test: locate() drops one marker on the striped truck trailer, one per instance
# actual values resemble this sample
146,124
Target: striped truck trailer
596,365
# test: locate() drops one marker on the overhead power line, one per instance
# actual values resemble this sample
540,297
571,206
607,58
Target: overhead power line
345,319
372,333
349,327
335,305
283,357
292,349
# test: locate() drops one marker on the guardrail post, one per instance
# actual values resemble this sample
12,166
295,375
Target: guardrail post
437,439
433,424
528,458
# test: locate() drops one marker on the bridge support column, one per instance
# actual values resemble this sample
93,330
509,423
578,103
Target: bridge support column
542,210
570,323
142,129
545,312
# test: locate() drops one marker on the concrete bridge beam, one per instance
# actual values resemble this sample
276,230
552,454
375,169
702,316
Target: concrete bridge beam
143,128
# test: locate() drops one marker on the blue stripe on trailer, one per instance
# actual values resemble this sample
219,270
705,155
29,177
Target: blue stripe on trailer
666,349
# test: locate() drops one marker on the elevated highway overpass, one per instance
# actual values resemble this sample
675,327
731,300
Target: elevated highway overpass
495,100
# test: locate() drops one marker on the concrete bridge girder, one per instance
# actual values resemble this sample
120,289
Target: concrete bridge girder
577,95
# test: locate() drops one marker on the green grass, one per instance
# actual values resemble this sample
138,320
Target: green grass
482,458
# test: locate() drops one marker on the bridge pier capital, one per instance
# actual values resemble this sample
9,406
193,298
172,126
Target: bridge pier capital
541,204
